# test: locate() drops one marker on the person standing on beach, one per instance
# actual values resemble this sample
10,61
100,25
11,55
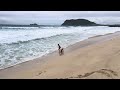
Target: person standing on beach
59,47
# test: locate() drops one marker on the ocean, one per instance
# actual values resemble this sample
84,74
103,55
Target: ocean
20,44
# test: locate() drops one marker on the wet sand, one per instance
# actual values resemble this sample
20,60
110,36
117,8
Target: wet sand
94,58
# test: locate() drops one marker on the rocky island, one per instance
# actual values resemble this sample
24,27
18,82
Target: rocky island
79,22
34,24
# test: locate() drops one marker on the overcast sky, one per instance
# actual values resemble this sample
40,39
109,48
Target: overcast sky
57,17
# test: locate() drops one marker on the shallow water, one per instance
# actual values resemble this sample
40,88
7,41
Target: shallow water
19,44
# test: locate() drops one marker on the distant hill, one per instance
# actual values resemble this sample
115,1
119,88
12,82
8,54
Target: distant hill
78,22
18,25
114,25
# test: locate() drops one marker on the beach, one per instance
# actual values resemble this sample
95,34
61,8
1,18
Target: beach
94,58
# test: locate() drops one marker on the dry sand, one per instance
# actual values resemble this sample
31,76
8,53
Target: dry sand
94,58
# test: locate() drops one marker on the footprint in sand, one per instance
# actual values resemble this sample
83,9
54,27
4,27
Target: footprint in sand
105,72
40,73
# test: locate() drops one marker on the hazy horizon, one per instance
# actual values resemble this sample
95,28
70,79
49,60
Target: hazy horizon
57,17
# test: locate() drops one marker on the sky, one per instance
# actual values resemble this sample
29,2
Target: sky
57,17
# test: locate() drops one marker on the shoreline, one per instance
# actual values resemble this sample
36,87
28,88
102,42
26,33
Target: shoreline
48,54
41,61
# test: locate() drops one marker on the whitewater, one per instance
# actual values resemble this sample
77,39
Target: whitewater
20,44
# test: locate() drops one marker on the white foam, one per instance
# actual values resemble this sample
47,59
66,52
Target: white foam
17,53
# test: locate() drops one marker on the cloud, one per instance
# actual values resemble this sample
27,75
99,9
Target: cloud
57,17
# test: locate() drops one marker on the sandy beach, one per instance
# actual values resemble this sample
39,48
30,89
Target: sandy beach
94,58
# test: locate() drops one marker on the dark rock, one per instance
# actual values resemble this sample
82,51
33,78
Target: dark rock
34,24
78,22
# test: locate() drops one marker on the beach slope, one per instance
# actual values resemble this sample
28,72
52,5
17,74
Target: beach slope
94,58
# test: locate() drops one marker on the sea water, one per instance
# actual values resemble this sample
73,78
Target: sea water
20,44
